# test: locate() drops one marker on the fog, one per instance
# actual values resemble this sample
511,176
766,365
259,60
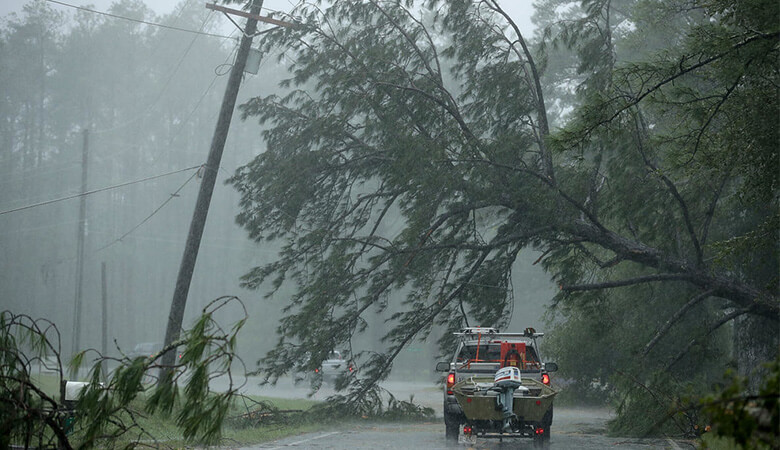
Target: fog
147,99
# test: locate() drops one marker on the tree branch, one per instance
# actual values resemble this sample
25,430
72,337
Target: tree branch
549,171
672,320
762,303
434,310
623,283
710,213
724,320
641,130
634,100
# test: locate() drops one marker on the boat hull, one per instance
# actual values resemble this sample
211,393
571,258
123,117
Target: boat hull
478,401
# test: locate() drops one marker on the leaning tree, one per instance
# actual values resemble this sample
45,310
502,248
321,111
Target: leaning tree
411,159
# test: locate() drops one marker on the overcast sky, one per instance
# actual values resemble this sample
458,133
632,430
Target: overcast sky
520,10
159,6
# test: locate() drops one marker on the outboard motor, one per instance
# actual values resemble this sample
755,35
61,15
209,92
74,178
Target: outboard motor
506,380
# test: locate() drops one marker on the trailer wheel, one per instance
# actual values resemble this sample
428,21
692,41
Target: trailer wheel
548,418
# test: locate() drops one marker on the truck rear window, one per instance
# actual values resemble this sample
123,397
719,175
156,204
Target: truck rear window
491,353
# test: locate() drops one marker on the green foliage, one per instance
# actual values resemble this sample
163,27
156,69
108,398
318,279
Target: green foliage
671,133
28,414
109,412
400,169
659,404
749,421
731,417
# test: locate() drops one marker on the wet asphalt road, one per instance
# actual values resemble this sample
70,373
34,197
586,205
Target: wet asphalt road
573,432
573,428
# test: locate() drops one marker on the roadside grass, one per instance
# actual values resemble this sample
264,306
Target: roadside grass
257,419
251,420
48,382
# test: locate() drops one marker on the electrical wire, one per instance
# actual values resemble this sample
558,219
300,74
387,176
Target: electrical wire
137,20
202,97
175,194
186,52
48,202
171,197
178,65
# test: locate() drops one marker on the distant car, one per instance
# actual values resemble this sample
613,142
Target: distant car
330,369
334,366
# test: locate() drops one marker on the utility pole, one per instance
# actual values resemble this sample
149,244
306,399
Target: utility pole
76,341
104,320
176,315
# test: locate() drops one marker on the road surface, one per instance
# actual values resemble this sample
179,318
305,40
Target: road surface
573,428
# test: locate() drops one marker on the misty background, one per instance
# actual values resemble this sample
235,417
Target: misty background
147,99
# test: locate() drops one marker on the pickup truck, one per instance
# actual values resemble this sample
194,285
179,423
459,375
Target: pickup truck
473,398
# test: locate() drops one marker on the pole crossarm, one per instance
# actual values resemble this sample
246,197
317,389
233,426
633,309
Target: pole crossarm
238,12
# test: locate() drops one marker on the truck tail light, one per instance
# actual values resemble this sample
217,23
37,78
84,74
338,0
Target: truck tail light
539,431
467,430
546,378
450,382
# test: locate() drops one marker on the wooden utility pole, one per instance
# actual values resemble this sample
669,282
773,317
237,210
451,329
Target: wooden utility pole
104,319
80,237
176,315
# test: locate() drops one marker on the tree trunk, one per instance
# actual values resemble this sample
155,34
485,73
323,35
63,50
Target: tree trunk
756,341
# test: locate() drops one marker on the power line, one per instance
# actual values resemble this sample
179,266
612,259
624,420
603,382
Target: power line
171,197
210,243
98,190
202,97
137,20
